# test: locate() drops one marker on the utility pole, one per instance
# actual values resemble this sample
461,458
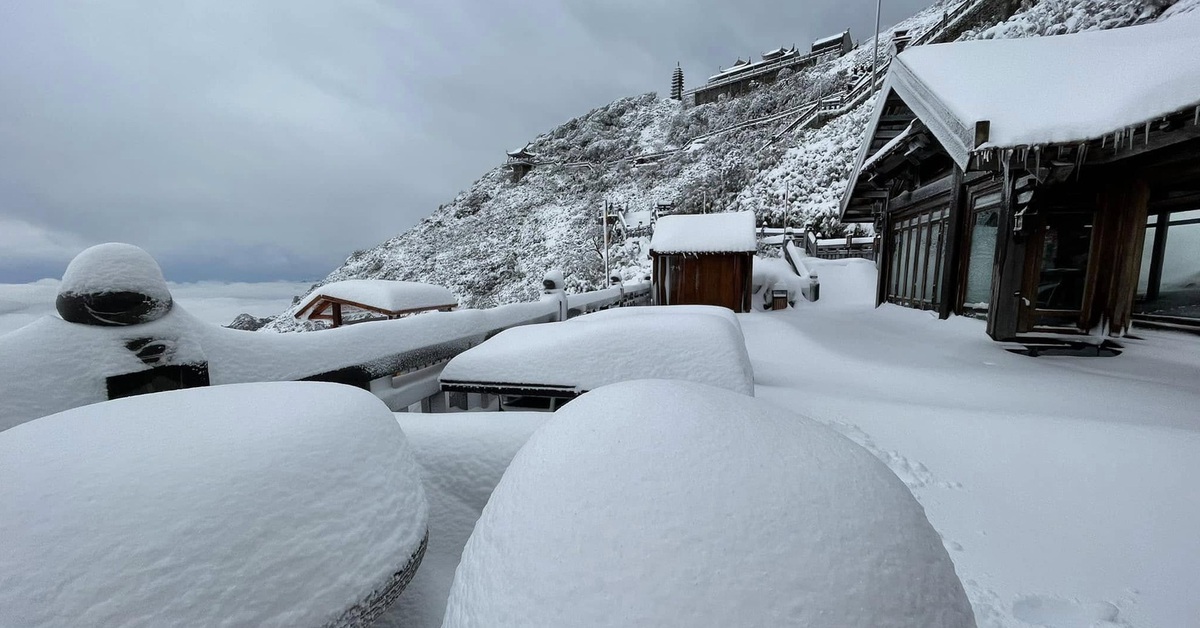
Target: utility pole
604,222
875,50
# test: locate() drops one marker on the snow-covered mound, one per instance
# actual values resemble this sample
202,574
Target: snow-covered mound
723,313
656,503
113,285
697,347
285,504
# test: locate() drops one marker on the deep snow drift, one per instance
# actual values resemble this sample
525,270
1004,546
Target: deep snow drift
1062,486
280,504
656,503
462,456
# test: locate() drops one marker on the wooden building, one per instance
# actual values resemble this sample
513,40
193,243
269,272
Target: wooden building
743,76
362,300
520,162
704,259
1046,184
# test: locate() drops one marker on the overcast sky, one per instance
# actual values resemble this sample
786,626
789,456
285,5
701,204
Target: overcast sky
240,140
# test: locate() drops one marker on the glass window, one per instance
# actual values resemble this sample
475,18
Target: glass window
918,262
984,229
1147,253
931,262
1066,245
1179,291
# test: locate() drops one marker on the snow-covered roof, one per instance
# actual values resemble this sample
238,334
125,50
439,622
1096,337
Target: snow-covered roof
522,152
580,356
662,310
675,504
731,232
280,504
380,294
1046,90
825,41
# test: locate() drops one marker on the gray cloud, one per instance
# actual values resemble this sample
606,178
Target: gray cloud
242,140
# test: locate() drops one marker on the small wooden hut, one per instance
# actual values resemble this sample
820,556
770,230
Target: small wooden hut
1048,184
361,300
704,259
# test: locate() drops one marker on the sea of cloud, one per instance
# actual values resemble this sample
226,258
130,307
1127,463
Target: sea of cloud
215,302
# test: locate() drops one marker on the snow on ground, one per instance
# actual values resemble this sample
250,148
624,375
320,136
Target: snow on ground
462,457
1062,486
671,503
210,301
280,504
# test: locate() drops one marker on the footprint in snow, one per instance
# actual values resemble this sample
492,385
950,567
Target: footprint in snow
1054,612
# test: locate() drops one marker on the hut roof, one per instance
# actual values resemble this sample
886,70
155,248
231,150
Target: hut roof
1049,90
379,295
705,233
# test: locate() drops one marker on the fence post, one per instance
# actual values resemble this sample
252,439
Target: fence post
554,288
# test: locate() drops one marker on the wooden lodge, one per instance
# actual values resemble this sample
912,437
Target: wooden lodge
362,300
704,259
1060,196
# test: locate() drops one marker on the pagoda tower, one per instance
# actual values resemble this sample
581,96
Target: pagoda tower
677,83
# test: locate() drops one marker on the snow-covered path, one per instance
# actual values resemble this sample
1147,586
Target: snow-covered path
1065,488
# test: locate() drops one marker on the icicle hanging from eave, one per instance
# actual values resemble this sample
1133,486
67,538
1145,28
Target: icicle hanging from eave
1147,142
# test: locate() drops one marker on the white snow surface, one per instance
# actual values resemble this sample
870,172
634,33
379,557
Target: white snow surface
462,456
698,347
115,267
277,504
653,503
661,310
731,232
1064,88
1061,485
384,294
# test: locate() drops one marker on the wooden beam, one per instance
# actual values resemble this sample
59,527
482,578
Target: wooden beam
952,247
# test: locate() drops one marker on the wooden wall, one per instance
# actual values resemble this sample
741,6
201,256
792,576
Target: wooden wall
722,279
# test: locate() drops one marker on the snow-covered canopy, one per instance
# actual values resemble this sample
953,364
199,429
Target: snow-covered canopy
1045,90
281,504
381,295
826,41
585,353
667,504
731,232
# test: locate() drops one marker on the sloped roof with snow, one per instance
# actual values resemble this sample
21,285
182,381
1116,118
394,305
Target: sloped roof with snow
705,233
381,294
1047,90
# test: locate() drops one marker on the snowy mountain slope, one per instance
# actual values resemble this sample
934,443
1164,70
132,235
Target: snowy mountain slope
492,243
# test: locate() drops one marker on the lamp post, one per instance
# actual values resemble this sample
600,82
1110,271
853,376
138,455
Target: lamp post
875,49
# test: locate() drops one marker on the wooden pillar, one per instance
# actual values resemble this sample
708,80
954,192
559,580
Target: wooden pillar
1156,257
883,257
956,220
1121,214
337,314
1008,270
